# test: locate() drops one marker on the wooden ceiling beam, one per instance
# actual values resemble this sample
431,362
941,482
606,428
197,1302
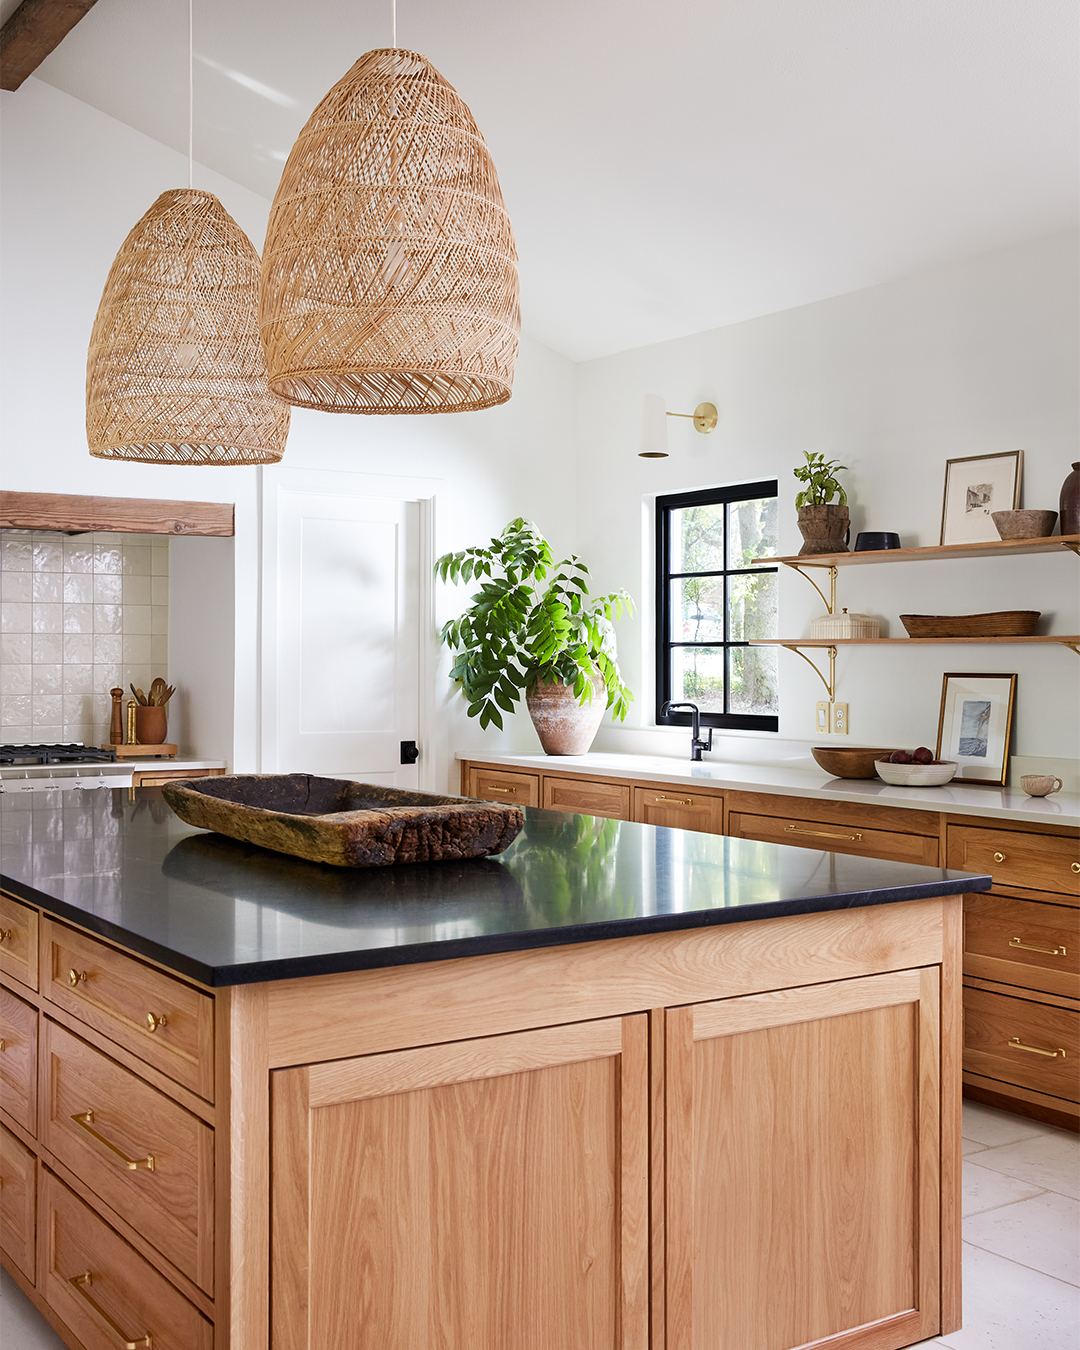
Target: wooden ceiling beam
121,515
32,32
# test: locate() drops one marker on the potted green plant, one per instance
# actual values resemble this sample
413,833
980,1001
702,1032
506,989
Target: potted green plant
532,630
824,526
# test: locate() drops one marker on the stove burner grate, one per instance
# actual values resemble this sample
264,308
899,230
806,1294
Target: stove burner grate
55,754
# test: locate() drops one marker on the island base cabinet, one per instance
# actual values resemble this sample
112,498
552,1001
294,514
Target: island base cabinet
785,1113
476,1196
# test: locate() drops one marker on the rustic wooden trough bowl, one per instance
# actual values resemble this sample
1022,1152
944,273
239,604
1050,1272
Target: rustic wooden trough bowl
332,820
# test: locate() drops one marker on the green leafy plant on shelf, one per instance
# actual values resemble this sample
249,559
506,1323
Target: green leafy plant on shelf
518,633
819,475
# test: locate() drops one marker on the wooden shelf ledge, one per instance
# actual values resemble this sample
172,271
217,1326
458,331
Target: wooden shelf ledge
1055,543
1063,640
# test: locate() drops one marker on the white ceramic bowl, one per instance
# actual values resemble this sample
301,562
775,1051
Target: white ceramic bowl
915,775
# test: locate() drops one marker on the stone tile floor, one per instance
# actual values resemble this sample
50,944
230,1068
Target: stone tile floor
1021,1243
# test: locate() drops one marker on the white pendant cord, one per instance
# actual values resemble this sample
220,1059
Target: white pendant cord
393,23
190,90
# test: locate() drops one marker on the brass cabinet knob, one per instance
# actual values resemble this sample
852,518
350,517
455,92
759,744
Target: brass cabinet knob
1075,867
76,977
6,934
152,1022
999,857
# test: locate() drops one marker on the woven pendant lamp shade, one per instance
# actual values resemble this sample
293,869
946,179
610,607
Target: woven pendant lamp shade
176,372
389,275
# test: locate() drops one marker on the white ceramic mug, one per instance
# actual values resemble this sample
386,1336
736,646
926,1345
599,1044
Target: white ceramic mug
1040,784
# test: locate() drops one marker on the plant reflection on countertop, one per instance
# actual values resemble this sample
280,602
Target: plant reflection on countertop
566,863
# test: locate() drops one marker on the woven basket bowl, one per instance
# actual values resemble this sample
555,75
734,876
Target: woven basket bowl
1004,623
389,273
186,259
849,761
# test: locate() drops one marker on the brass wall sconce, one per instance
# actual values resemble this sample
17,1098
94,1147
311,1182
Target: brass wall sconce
654,425
704,417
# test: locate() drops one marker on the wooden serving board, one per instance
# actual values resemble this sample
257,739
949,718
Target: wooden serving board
143,751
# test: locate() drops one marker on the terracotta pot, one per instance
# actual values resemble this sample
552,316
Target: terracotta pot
825,529
150,726
565,727
1069,503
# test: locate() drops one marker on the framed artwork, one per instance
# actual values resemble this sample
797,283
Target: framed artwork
974,487
975,726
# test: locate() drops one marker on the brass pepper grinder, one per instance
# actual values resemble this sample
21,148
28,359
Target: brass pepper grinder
131,739
116,725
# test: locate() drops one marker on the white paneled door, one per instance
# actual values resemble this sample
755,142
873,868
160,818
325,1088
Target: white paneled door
346,637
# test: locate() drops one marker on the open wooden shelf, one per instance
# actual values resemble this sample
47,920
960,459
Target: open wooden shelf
997,548
1064,640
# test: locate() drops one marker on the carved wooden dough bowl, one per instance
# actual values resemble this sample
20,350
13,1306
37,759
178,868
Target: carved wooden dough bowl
332,820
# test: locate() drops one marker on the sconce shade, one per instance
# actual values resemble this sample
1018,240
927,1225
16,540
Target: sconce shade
389,274
175,373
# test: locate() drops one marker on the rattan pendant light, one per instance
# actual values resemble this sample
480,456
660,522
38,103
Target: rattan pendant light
175,372
389,274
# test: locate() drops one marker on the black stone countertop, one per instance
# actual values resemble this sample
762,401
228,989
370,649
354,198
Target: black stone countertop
228,913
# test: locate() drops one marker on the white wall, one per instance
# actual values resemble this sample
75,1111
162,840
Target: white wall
892,381
75,182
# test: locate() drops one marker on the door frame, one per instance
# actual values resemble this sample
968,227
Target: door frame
344,483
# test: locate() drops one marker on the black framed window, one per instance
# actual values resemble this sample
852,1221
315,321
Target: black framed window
710,602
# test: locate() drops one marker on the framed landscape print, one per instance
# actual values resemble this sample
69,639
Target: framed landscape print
974,487
975,726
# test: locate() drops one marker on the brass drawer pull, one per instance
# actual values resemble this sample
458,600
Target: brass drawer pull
75,977
3,1044
823,834
1046,951
501,789
682,801
83,1282
999,857
6,934
1018,1044
152,1022
85,1120
1075,867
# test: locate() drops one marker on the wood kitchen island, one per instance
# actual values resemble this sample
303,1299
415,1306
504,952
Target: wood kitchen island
621,1086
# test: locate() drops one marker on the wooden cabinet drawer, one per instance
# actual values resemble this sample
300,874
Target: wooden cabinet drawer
587,798
912,848
670,806
162,1020
17,1201
155,777
144,1155
1015,1040
18,941
18,1060
103,1289
1022,942
1040,862
499,785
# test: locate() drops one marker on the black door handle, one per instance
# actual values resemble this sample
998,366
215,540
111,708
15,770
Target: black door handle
410,752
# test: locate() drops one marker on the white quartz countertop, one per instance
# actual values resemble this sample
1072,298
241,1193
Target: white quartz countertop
152,762
959,799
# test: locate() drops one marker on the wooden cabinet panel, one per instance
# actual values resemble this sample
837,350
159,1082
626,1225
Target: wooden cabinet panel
1041,862
691,810
18,1060
502,1185
162,1020
18,941
103,1289
1022,942
499,785
587,798
155,777
902,819
17,1202
1016,1040
911,848
785,1112
144,1155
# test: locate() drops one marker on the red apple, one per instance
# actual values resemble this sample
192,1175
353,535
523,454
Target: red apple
899,757
922,755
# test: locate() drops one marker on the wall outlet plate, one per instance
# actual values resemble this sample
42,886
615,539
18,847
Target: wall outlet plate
840,719
821,718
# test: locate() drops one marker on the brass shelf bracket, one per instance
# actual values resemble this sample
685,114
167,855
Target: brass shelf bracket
830,683
1072,646
830,600
1072,546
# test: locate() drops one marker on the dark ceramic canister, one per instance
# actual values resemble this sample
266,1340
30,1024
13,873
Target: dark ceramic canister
1069,502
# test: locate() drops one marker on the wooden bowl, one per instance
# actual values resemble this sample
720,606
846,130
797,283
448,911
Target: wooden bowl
1024,524
1002,623
848,761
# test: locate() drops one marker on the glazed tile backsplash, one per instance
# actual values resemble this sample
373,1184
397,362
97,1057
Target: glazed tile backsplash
78,615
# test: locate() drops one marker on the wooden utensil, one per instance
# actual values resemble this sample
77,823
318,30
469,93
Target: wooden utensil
157,689
140,697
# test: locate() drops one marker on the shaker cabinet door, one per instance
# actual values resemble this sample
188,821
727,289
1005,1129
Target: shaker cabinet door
801,1172
472,1196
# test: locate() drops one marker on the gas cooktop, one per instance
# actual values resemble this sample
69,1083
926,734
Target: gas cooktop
55,754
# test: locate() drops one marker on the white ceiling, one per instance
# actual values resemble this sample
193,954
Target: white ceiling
669,167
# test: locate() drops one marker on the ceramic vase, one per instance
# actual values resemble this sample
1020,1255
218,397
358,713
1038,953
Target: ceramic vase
565,726
825,529
1069,502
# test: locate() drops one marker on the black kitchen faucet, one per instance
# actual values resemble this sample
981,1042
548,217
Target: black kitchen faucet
697,745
